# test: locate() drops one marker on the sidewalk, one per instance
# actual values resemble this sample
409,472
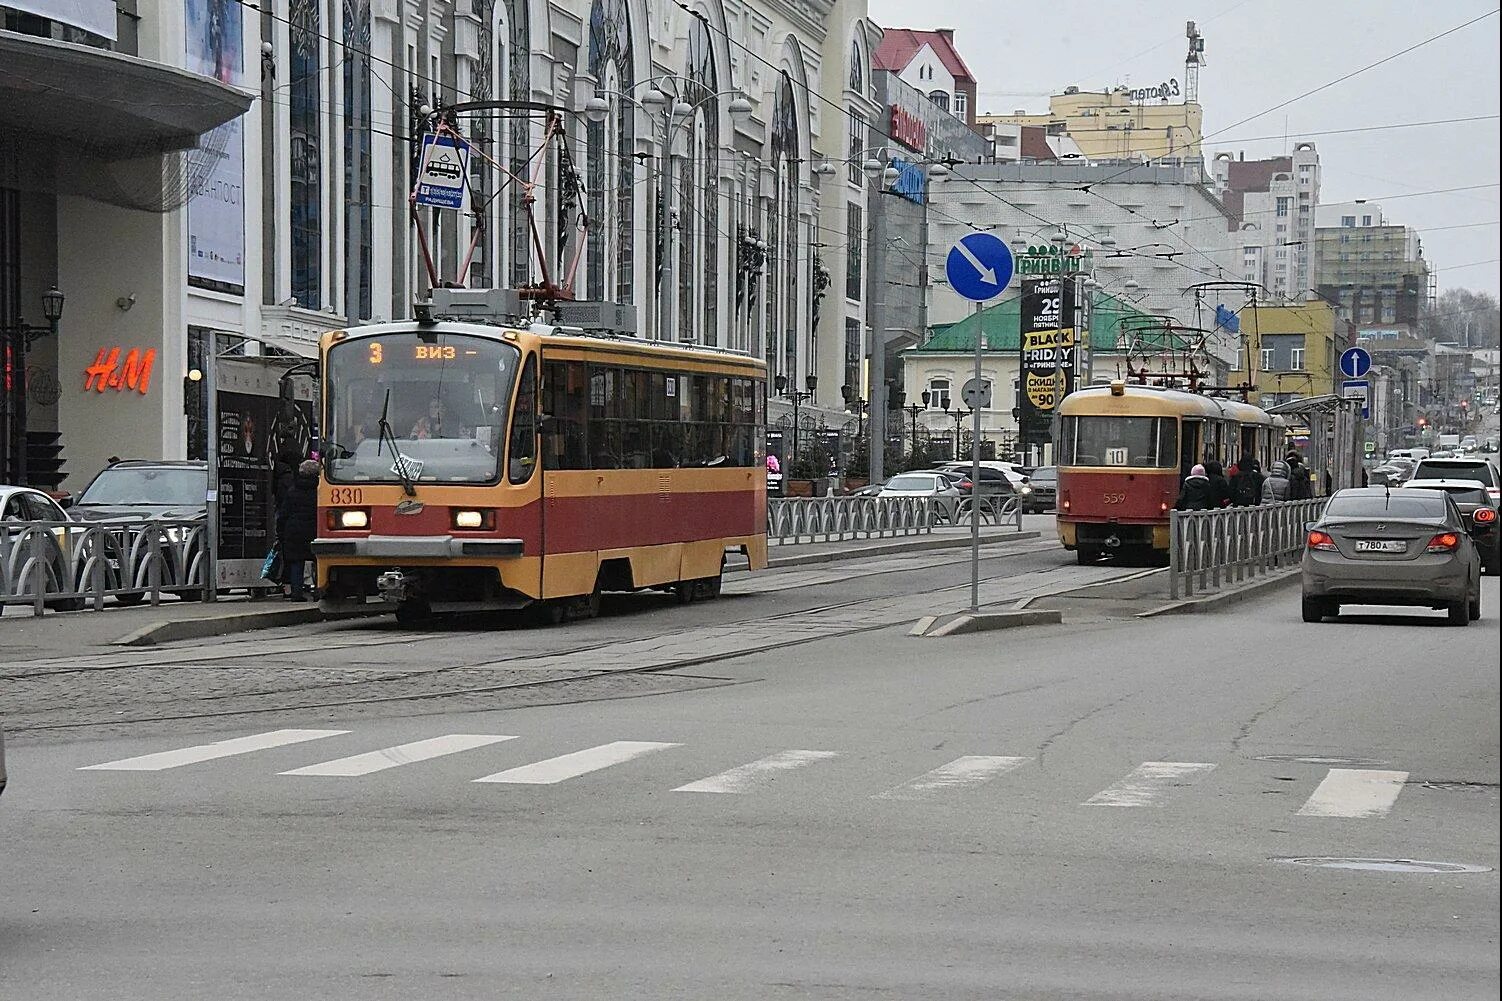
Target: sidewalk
24,637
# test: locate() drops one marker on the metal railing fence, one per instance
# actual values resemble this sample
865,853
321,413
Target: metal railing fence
832,519
69,565
1234,544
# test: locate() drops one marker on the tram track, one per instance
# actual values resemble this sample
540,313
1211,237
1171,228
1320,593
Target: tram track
355,699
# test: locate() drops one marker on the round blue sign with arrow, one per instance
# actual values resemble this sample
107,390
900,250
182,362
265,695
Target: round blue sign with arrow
1355,363
979,267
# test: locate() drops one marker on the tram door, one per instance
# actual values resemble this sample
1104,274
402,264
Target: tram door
1189,447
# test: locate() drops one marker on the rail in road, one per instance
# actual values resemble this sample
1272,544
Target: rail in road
249,679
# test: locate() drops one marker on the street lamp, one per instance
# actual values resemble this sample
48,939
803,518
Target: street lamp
915,409
780,383
15,342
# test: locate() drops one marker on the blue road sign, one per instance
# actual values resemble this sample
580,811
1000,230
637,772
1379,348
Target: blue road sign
441,179
979,267
1358,389
1355,363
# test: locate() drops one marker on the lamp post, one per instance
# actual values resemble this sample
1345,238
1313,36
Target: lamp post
857,406
15,343
780,383
914,409
674,115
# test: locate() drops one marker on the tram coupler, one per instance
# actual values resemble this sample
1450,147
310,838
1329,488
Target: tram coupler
397,586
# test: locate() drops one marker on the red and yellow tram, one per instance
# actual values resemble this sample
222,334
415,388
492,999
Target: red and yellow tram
1124,450
473,466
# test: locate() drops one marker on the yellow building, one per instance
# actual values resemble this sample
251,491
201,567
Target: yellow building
1120,124
1293,348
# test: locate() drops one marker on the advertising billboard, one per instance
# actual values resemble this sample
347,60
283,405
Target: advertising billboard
94,16
216,214
216,40
1047,342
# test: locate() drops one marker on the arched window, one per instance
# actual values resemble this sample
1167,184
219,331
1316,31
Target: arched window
305,223
782,241
698,195
857,68
358,194
611,169
941,98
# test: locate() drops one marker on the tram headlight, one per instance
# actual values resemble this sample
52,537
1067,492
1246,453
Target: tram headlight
474,520
354,518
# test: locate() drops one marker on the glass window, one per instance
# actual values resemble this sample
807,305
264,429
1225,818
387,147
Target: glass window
1298,360
1283,205
522,455
961,103
853,260
565,405
1267,359
175,486
1118,441
1397,504
938,394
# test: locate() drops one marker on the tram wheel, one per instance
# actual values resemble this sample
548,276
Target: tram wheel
412,613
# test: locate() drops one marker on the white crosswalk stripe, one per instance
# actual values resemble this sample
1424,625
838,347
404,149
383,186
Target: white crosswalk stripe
209,752
1355,792
1146,784
568,766
401,754
970,770
757,774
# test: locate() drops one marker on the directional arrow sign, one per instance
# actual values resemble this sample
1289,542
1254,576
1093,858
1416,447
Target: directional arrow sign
1355,363
979,267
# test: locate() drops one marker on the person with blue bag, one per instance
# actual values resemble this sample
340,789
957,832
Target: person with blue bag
296,527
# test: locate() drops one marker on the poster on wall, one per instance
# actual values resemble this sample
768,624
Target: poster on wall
1046,374
216,40
253,431
216,214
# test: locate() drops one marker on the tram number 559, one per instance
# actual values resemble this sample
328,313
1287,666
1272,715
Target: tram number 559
1109,498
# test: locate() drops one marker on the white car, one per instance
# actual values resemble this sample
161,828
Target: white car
20,507
936,485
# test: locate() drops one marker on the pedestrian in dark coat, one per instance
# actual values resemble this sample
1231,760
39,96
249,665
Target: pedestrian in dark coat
1246,484
1277,487
1194,495
1220,487
297,526
1299,486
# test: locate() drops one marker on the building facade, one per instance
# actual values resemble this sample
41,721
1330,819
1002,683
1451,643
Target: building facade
1374,271
712,224
929,62
1274,204
1121,123
1292,349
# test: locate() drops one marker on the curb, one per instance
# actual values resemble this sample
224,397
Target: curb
1215,601
224,625
984,622
891,549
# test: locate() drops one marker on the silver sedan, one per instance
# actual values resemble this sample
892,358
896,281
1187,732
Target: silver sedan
1375,546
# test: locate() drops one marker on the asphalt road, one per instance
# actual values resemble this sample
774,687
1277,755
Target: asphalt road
1087,811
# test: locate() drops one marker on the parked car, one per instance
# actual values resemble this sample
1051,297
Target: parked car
165,490
869,490
1375,546
1480,470
1044,482
945,493
1010,470
20,507
1480,514
1469,444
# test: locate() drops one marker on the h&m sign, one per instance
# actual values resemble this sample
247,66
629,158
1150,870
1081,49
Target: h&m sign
109,372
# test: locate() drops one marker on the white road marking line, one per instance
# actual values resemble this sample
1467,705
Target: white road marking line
972,769
745,778
568,766
1355,792
401,754
209,752
1147,783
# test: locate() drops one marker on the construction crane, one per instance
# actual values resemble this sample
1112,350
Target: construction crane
1192,63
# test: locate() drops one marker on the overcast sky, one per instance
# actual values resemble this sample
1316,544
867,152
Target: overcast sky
1260,53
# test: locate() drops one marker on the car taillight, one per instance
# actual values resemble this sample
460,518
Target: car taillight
1484,516
1322,542
1445,542
965,484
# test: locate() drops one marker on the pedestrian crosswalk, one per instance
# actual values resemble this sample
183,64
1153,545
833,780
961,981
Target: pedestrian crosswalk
1351,793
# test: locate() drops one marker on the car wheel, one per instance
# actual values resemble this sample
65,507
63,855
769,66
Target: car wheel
1314,609
1460,612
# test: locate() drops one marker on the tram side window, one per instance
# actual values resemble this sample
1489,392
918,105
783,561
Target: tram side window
523,451
566,403
604,418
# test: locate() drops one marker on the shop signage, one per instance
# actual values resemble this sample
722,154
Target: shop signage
109,372
1051,260
1046,373
908,129
1162,92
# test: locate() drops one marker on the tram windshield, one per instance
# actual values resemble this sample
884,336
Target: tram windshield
444,399
1149,442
